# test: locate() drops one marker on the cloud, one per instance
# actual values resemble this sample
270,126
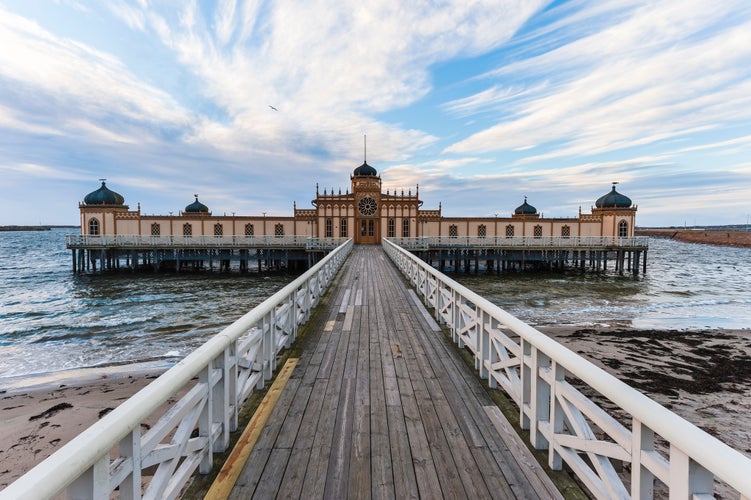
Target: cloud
659,73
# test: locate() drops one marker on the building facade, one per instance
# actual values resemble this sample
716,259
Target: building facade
363,212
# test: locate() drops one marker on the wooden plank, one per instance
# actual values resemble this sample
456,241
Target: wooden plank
383,406
539,480
230,471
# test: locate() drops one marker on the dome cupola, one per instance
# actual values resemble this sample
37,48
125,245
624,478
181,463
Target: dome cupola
196,207
613,199
365,169
104,196
525,209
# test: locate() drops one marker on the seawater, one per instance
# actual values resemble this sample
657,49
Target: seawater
52,319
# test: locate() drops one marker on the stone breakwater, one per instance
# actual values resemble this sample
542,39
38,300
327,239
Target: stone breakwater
708,237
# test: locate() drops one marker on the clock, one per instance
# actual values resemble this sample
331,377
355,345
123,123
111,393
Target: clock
367,206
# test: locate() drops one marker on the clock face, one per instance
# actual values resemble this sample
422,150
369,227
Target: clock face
367,206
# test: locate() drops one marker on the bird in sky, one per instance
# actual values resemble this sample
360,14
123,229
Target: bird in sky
272,107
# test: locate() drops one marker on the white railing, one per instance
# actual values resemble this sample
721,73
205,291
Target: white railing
114,452
584,242
534,371
140,241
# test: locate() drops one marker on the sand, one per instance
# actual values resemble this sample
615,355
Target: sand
38,415
703,376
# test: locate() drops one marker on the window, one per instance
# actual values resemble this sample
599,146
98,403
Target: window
453,231
155,230
94,227
279,230
249,230
405,228
218,230
391,228
566,231
329,228
187,230
371,228
363,228
509,231
481,231
623,229
538,231
343,228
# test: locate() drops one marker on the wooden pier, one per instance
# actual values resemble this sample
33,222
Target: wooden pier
496,254
381,405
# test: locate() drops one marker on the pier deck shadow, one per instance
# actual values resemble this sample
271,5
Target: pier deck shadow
381,405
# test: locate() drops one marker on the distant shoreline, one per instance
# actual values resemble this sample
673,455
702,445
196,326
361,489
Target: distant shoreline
720,237
32,228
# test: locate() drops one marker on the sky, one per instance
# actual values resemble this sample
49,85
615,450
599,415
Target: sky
250,104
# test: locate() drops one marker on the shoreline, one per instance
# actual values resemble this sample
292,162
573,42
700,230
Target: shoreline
718,237
702,375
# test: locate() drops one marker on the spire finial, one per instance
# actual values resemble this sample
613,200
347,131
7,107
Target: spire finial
365,148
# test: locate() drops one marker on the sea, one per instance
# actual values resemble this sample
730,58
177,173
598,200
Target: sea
53,320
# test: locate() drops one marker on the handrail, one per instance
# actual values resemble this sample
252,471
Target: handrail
532,368
203,241
229,367
595,242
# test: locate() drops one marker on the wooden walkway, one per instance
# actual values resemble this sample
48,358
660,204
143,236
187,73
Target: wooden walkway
380,405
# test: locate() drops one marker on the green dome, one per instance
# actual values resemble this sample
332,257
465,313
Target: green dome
613,199
365,169
196,207
525,209
103,196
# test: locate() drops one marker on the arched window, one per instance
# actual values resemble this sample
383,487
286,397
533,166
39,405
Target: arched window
509,231
155,230
566,231
248,229
391,228
94,227
623,229
453,231
481,230
187,230
279,230
405,228
538,231
343,228
218,230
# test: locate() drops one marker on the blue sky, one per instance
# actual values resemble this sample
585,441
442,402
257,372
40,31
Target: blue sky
479,104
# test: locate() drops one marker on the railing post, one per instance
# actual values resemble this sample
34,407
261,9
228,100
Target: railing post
484,351
535,405
130,451
220,401
642,480
234,399
688,479
94,483
555,461
205,419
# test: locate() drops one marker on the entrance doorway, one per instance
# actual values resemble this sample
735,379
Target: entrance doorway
368,232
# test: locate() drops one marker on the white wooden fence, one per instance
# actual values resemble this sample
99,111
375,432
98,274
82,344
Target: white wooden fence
534,371
522,242
113,453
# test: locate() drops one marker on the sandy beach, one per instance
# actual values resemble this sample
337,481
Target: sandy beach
38,415
704,376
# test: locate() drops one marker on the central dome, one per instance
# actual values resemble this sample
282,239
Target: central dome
365,169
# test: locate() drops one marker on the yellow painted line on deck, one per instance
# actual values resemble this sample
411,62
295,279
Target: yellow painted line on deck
225,480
